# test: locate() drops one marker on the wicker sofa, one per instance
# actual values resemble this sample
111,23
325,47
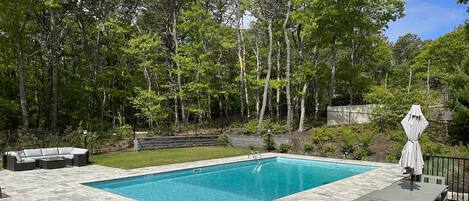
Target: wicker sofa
28,159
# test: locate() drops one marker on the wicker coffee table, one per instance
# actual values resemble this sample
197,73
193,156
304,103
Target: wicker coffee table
52,163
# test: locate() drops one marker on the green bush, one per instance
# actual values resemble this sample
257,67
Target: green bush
328,149
285,147
124,131
365,137
348,137
308,148
224,139
269,143
250,127
361,154
322,135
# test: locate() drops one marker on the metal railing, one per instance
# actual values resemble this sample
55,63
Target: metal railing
454,170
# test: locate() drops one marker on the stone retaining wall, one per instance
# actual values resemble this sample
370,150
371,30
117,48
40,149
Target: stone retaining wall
255,140
175,142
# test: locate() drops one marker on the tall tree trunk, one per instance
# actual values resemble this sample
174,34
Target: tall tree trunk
178,67
258,77
240,57
301,127
246,93
287,73
278,80
333,71
267,80
53,64
20,68
428,78
410,79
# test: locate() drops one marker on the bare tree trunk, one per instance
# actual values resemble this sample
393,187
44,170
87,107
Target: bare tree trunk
428,77
53,64
301,126
410,79
258,77
333,71
147,76
267,80
287,73
20,68
178,67
246,93
278,80
240,57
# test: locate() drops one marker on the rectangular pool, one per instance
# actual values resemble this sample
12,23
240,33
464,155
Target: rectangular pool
275,178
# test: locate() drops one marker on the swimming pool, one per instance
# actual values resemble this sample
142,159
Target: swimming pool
275,178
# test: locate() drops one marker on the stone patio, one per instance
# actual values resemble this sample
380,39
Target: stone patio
65,184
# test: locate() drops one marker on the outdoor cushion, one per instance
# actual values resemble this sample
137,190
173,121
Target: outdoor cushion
79,151
65,150
26,160
32,152
50,151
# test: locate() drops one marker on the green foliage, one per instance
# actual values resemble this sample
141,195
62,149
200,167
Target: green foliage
393,103
348,137
224,140
361,154
124,132
308,148
269,143
322,135
328,150
285,147
250,127
150,105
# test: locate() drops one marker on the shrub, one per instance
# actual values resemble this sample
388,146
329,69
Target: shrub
321,135
361,154
308,148
285,147
124,131
269,143
365,137
328,149
348,138
224,139
250,127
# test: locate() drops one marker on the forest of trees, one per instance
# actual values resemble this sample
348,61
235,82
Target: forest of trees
101,64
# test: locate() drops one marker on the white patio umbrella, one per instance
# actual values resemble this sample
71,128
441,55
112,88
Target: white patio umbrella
414,123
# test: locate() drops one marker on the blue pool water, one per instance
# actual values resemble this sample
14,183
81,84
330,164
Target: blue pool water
277,177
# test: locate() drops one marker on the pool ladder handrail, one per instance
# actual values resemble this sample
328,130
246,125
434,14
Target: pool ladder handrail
256,155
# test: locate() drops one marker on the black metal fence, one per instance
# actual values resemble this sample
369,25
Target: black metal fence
455,172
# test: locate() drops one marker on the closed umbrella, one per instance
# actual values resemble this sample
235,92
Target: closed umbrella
414,123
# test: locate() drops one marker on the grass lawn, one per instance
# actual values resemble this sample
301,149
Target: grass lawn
130,160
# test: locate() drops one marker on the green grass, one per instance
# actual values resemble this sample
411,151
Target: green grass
130,160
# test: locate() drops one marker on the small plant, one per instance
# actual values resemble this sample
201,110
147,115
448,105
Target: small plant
224,140
321,135
348,137
250,127
285,147
308,148
328,150
269,143
124,131
361,154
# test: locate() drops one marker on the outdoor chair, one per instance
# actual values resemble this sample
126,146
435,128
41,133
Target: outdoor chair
436,180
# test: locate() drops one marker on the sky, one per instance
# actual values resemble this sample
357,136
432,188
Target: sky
429,19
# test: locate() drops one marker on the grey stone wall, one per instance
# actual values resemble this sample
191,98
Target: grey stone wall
175,142
255,140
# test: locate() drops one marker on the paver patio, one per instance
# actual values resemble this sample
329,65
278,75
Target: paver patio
65,184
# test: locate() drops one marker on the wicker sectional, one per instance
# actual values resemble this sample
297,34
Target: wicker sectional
28,159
